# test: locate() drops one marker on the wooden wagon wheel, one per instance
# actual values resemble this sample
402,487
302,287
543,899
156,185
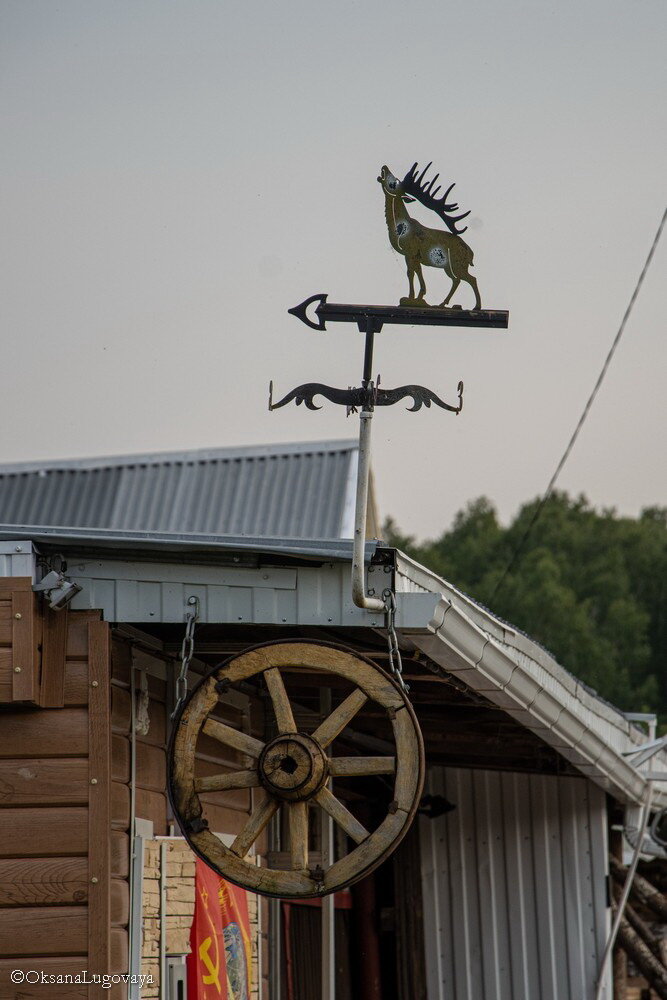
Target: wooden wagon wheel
294,769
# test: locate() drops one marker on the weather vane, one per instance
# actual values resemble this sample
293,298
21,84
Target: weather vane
296,767
421,247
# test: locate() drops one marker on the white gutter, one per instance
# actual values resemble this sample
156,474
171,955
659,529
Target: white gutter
546,704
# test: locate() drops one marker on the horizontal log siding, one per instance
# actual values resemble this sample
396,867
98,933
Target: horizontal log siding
45,795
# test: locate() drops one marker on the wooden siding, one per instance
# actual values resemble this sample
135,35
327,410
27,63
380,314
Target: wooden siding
65,790
226,812
20,641
59,909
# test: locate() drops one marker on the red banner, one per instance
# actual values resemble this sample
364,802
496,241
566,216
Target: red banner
220,958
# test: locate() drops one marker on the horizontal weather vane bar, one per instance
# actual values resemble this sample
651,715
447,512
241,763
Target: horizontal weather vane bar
377,316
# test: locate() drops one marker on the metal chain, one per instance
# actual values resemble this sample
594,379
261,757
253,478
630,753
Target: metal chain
187,652
395,662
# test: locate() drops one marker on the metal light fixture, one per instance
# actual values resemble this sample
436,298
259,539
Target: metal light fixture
57,589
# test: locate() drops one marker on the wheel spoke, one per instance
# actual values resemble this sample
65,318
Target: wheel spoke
233,738
298,832
251,831
341,815
334,724
353,767
225,782
281,703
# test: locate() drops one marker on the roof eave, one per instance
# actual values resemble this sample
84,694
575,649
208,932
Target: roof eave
148,542
519,676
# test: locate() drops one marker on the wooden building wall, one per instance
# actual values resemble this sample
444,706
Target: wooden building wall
65,788
227,812
63,901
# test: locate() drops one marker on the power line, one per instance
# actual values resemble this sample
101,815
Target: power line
580,423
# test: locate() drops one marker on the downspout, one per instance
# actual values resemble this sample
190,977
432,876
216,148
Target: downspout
135,965
359,596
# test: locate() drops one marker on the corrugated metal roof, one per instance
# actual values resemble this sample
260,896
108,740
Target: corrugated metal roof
300,490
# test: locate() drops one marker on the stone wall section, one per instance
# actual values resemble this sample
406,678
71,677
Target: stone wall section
180,903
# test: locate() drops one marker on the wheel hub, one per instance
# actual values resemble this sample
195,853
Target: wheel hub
293,766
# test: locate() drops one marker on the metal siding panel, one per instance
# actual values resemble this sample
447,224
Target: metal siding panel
466,944
493,888
600,913
102,594
573,805
127,597
173,601
544,886
286,606
149,603
434,873
430,898
264,604
320,598
521,916
558,875
240,604
158,592
17,558
442,921
219,607
513,883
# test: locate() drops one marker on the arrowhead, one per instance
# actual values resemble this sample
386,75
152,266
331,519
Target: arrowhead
301,311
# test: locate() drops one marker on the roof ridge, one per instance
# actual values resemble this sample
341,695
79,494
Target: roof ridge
181,457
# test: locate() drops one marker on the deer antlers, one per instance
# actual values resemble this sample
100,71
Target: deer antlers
424,192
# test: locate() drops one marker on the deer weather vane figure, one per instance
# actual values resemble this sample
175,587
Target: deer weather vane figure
421,246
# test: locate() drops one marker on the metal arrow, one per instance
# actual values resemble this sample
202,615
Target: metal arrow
374,317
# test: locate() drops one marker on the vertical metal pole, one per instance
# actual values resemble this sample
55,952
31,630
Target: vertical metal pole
275,924
368,354
136,912
135,930
328,912
163,920
363,473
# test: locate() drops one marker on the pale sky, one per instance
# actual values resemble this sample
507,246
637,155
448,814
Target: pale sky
178,174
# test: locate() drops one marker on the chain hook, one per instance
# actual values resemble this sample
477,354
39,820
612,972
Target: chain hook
395,662
187,652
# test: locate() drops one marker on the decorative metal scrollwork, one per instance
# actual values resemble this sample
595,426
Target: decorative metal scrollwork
357,398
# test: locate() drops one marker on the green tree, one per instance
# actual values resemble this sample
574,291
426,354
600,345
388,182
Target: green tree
589,586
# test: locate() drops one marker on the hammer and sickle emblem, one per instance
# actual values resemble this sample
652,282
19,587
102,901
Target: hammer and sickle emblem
213,977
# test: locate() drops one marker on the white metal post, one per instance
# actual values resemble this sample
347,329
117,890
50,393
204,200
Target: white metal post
163,921
328,912
361,507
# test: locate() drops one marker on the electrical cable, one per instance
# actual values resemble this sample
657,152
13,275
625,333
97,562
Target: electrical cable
600,379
